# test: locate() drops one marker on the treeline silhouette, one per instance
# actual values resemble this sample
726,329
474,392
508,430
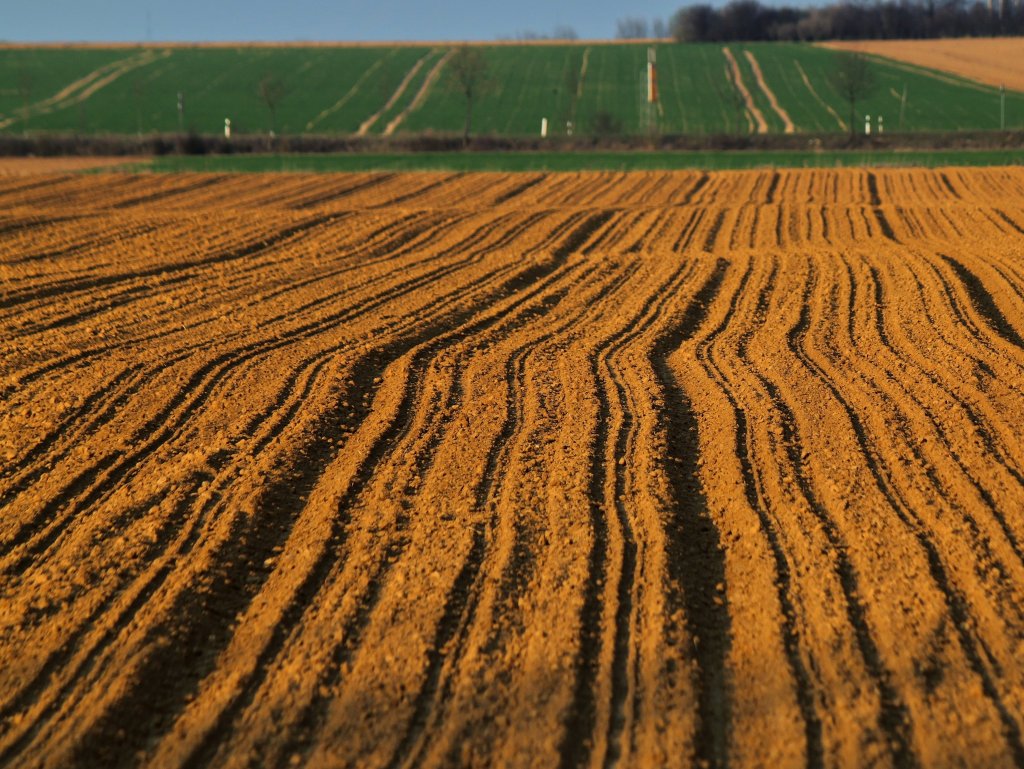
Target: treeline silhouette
748,20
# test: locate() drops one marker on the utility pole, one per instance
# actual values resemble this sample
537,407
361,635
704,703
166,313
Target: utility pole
181,111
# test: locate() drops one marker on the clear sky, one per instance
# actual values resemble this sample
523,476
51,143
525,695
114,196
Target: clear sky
297,20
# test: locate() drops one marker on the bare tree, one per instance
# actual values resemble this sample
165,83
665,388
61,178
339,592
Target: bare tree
631,28
467,71
272,90
564,32
659,29
854,79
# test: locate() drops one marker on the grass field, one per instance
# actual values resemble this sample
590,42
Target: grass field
578,161
348,89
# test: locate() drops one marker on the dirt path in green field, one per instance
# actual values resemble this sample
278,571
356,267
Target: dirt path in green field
421,95
787,123
369,122
81,89
822,102
752,111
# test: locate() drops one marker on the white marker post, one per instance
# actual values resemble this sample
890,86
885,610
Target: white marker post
544,127
867,125
881,126
227,128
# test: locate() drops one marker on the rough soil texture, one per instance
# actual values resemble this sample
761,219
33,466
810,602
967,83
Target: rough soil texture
992,60
579,470
16,166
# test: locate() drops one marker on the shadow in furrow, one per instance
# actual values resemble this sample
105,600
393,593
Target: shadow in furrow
955,601
464,596
874,199
695,560
322,448
518,190
983,303
698,185
803,681
336,194
164,271
577,743
884,225
384,443
894,719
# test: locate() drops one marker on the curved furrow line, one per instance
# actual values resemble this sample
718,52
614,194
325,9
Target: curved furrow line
464,597
517,190
202,381
180,274
64,288
703,601
187,187
984,304
72,181
688,231
980,540
78,247
498,292
606,643
956,604
891,713
420,458
998,366
171,270
293,314
980,425
9,188
799,659
221,365
319,571
80,192
32,221
404,198
401,241
316,363
651,233
692,538
1011,278
575,242
460,604
334,194
97,408
984,424
519,547
893,716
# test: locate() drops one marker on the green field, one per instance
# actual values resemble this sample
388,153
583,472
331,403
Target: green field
575,161
337,90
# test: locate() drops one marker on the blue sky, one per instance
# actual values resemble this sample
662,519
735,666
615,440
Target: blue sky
204,20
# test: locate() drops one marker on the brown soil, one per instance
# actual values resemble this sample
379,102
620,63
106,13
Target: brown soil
14,166
995,61
666,469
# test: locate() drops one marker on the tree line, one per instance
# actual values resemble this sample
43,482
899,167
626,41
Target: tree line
748,20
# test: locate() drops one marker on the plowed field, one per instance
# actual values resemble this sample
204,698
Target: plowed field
532,470
996,61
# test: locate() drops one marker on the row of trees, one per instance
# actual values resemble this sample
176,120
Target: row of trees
748,20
